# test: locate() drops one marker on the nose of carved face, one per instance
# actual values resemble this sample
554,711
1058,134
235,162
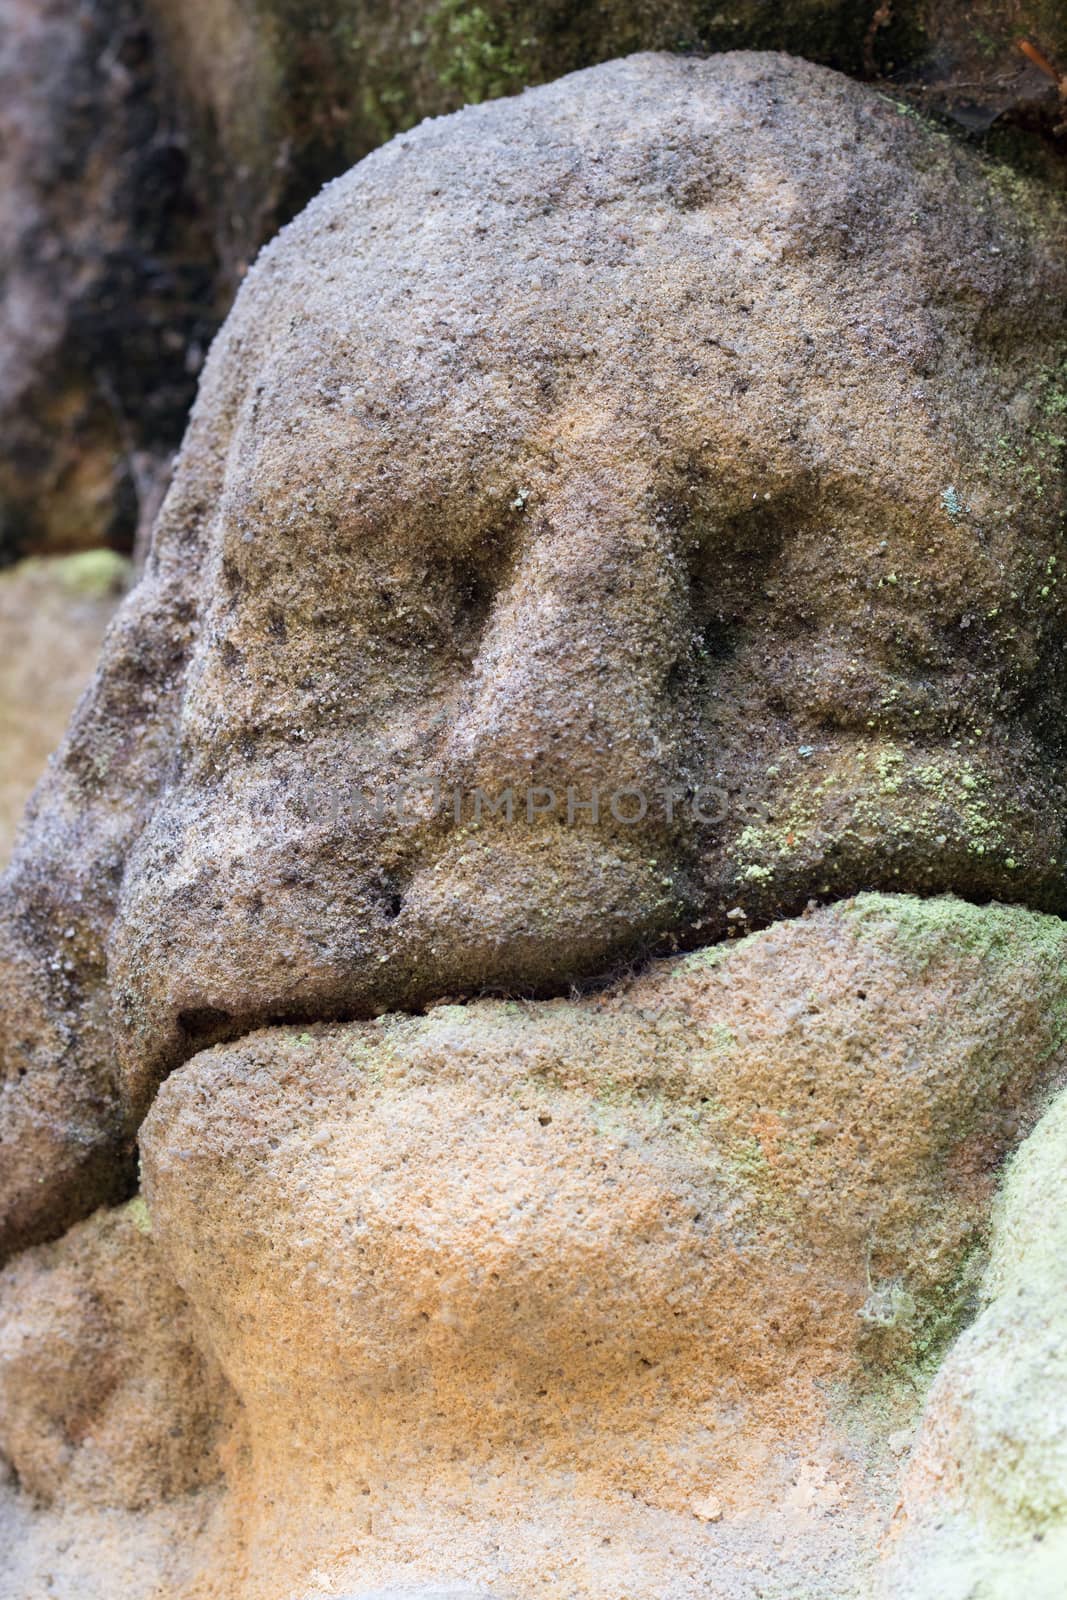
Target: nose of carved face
482,787
596,699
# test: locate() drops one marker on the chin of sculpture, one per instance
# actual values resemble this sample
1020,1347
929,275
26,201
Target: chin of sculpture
601,1296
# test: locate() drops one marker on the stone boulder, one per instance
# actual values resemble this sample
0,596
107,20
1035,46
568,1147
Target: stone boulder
671,449
107,1397
612,1295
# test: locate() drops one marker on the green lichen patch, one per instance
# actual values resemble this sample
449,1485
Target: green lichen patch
88,574
138,1213
944,929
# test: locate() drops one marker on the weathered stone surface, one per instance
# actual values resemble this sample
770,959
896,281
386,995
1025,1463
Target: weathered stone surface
683,426
53,614
985,1498
634,1293
498,1282
106,1396
149,147
279,99
160,1552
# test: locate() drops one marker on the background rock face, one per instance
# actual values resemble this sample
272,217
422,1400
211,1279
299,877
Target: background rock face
608,1266
53,614
684,426
106,276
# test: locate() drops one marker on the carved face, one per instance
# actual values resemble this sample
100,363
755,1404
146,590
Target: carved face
683,431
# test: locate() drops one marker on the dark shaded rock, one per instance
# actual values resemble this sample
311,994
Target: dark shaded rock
107,276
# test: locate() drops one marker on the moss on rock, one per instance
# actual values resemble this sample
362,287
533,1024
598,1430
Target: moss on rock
285,99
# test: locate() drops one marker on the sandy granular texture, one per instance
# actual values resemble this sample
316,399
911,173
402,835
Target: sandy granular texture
114,1419
106,1397
683,426
631,1295
984,1508
628,1297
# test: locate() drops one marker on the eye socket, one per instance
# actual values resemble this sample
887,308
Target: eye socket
728,562
440,602
475,589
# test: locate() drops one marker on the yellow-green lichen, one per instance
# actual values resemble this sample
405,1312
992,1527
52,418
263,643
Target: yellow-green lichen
94,574
87,575
943,929
138,1213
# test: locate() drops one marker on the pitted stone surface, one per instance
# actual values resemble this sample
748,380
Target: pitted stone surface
108,1398
634,1293
616,1295
685,427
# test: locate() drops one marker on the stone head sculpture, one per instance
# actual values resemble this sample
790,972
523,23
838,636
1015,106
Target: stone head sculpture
674,450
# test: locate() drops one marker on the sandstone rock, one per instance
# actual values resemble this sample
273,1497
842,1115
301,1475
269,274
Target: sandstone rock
149,147
162,1552
985,1498
52,620
518,1276
420,1593
106,1396
279,98
683,428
